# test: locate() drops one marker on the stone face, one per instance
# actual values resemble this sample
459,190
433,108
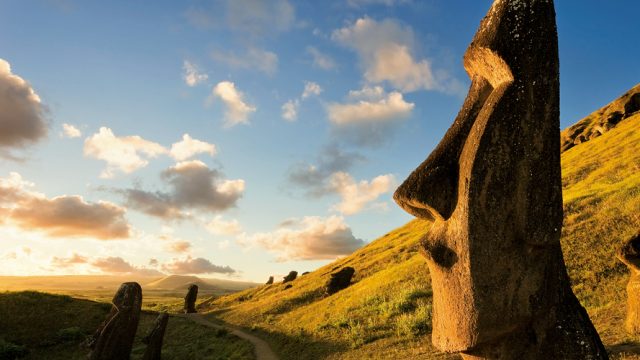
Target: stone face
270,281
190,299
154,338
629,254
340,280
114,337
492,188
292,276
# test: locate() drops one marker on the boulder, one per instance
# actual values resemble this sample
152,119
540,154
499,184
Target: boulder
292,276
340,280
629,254
190,299
114,337
154,338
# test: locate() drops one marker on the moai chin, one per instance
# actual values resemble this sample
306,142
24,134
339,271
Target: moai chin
492,188
190,299
114,338
629,254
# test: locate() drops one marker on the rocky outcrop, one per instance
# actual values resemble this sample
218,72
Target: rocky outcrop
154,338
340,280
114,337
629,254
493,190
602,120
190,299
290,277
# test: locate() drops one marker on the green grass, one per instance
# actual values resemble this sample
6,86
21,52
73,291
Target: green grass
36,325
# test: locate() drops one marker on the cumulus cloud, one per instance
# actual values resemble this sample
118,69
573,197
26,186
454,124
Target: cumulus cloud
310,89
22,119
290,108
253,59
61,216
356,195
125,154
219,226
178,246
70,131
192,186
192,75
320,60
362,3
310,238
189,147
386,51
65,262
237,110
117,265
190,265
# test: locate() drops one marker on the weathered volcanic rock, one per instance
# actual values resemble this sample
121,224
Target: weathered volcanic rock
292,276
114,337
154,338
493,190
190,299
629,254
340,280
270,281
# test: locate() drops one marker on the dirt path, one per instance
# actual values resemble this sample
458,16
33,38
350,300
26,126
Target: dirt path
261,348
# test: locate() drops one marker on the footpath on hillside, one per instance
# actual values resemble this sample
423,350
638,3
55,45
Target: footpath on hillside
261,348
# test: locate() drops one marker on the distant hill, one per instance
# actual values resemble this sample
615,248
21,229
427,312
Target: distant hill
181,282
386,312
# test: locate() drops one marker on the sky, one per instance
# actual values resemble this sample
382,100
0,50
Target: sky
242,138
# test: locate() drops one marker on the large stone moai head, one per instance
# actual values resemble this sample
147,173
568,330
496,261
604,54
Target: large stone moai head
492,187
114,338
629,254
190,299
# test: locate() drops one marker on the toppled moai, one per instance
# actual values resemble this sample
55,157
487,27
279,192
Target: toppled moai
270,281
190,299
629,254
340,280
292,276
154,338
114,337
492,189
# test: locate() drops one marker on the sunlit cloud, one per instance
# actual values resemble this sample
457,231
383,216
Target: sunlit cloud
191,75
22,119
253,59
237,110
309,238
355,196
320,60
362,3
178,246
65,262
70,131
310,89
290,108
219,226
189,147
190,265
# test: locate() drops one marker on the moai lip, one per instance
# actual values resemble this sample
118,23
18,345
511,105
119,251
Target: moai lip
492,188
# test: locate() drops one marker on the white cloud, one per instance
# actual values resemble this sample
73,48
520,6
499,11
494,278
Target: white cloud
238,110
22,119
386,52
218,226
253,59
311,88
70,131
190,265
321,60
126,154
362,3
387,108
178,246
290,110
189,147
356,195
192,75
311,238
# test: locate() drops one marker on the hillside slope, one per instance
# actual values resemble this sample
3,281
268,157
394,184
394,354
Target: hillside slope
386,312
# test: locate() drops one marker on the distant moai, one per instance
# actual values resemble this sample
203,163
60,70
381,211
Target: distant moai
493,190
629,254
190,299
154,338
270,281
290,277
340,280
114,337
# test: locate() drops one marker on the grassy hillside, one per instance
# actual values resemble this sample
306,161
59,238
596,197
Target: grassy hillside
44,326
386,312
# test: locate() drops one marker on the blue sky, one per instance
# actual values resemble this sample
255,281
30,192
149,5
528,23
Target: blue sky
302,117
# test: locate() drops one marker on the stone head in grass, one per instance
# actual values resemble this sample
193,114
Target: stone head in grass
492,189
629,254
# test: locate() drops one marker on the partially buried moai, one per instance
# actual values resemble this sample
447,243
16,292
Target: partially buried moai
190,299
114,337
629,254
154,338
492,188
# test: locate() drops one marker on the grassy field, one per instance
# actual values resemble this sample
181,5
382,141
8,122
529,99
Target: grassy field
36,325
386,313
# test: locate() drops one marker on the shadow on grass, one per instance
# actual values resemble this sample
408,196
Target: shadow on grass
624,348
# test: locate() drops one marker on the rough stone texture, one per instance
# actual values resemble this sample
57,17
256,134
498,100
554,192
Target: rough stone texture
270,281
190,299
114,337
292,276
288,286
492,188
629,254
340,280
154,338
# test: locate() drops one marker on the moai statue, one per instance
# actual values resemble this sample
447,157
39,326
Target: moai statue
492,188
340,280
292,276
270,281
629,254
190,299
154,338
114,337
